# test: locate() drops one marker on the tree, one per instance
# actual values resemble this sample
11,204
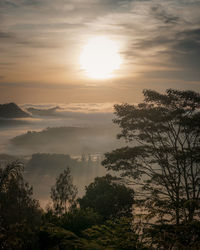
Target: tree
63,193
20,214
116,234
16,202
77,220
54,237
166,236
108,197
162,156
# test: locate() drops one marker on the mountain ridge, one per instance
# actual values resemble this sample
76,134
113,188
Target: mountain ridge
12,110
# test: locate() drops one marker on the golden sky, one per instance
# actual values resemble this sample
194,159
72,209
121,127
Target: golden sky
41,43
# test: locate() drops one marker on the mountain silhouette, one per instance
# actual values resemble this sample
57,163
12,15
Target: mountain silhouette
11,110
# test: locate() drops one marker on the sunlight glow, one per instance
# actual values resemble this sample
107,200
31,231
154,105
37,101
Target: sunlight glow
100,58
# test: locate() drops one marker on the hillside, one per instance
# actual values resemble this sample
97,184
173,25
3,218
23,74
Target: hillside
71,140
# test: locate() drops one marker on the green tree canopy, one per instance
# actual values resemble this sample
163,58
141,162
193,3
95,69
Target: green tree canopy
108,197
162,156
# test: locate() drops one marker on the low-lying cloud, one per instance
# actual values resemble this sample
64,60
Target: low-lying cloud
97,132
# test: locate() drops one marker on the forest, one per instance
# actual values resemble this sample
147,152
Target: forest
148,199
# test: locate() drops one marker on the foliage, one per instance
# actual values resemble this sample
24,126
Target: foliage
184,236
163,153
161,162
108,197
10,171
16,202
18,236
118,235
19,213
77,220
63,193
53,237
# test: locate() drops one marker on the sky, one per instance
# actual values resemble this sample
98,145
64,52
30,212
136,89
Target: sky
41,43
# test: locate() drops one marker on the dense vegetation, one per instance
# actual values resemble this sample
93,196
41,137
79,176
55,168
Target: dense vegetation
153,203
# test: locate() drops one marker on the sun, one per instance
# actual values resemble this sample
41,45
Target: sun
100,58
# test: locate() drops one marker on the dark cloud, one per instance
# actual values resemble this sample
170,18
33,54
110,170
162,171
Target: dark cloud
185,53
19,3
15,38
188,41
179,50
42,85
6,35
184,41
186,76
160,13
51,26
7,3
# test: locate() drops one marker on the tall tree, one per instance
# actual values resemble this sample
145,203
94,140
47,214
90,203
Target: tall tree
163,152
63,193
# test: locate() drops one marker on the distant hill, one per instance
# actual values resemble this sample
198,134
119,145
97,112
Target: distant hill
71,140
11,110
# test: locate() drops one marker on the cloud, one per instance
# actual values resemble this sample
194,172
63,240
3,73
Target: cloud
160,13
169,46
42,85
186,50
6,35
75,109
182,53
14,38
156,36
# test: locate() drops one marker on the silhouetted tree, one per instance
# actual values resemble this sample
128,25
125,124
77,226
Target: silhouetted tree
20,214
108,197
77,220
165,236
163,155
63,193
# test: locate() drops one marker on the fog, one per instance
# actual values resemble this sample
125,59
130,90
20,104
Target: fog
56,136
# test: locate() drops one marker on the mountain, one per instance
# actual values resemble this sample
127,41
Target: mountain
11,110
